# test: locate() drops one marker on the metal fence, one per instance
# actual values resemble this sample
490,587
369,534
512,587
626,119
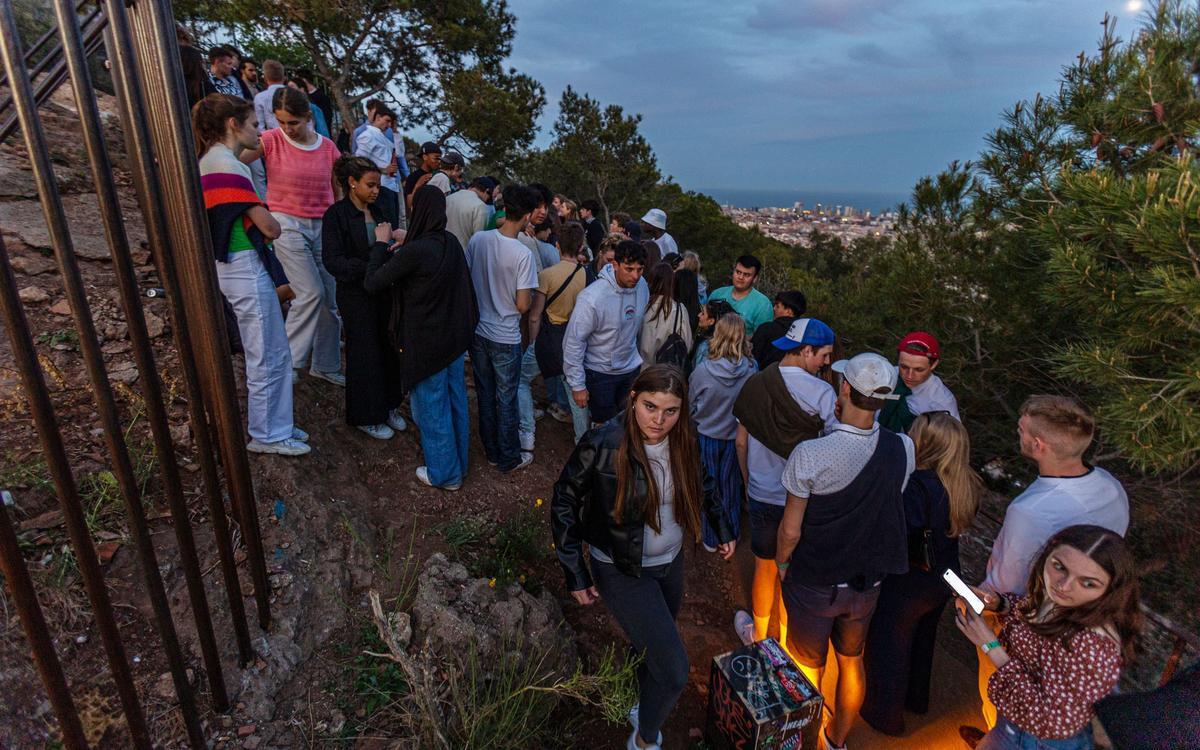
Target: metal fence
139,39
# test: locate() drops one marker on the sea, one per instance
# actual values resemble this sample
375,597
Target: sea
876,203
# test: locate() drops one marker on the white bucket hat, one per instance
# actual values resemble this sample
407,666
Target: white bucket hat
656,218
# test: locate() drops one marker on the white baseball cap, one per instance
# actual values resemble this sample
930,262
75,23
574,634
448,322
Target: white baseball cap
870,374
657,218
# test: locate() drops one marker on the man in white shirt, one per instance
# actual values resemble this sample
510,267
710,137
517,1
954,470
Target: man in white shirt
843,531
919,389
374,145
776,409
1054,433
449,172
467,211
655,223
504,275
264,110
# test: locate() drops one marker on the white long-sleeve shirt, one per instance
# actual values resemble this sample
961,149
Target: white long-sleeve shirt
1048,506
374,145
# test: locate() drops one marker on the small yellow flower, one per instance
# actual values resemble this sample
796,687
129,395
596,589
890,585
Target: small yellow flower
492,583
551,545
537,503
521,579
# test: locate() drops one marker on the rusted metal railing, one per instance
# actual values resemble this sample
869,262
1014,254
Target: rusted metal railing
139,38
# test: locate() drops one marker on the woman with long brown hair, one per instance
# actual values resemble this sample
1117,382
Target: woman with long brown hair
633,491
1061,647
940,501
664,316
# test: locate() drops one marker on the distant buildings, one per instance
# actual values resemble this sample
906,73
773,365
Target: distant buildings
794,225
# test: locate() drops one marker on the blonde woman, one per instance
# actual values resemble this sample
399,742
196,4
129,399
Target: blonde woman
942,497
713,387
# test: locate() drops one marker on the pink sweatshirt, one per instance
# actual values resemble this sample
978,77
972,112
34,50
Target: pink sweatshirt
299,178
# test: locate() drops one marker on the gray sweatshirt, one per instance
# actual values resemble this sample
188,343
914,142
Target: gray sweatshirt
602,335
712,389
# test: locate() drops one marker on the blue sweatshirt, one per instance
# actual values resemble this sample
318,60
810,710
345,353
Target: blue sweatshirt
602,335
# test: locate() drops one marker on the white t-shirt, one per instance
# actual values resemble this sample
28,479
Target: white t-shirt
666,243
375,146
1046,507
660,548
441,182
466,214
500,267
815,396
830,463
932,395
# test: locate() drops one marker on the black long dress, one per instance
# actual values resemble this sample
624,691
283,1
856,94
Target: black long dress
374,384
900,641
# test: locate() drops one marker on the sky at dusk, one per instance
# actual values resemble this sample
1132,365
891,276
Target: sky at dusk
840,95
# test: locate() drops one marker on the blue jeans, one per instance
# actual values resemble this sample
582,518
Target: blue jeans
581,418
556,389
439,407
497,371
529,371
1006,736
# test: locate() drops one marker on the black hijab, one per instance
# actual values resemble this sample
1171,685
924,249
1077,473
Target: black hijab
428,213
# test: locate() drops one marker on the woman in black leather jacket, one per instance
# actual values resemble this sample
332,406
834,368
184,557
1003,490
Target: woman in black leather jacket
633,491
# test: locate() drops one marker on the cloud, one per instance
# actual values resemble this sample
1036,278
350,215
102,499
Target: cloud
848,16
862,94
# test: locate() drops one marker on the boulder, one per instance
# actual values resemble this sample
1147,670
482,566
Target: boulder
33,295
454,613
24,220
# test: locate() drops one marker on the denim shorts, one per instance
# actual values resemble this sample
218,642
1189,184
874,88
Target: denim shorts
820,614
1008,736
764,528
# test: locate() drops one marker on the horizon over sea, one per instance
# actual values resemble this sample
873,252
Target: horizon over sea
875,202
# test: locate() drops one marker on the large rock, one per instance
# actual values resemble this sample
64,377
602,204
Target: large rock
453,613
23,219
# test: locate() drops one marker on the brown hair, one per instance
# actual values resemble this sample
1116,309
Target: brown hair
1064,423
662,291
570,237
272,70
210,118
862,401
944,446
622,219
1117,607
684,456
293,101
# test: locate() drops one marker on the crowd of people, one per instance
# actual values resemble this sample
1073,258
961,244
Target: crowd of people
703,416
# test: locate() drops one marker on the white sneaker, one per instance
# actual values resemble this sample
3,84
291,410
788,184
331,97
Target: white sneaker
633,722
299,434
337,378
743,625
423,477
526,441
708,548
285,447
395,421
526,459
631,743
823,742
377,431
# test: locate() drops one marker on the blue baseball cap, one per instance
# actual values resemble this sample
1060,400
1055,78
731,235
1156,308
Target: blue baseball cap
805,332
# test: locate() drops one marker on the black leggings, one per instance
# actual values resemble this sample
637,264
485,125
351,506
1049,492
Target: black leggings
645,608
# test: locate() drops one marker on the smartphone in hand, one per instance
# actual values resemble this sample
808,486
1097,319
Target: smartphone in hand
970,597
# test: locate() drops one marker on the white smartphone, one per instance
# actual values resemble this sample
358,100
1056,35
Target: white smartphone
972,599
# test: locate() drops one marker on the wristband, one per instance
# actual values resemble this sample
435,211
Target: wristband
783,565
991,645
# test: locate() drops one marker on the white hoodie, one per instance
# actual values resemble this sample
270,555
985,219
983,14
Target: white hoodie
602,335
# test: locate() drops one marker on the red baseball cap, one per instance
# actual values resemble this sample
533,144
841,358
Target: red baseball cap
919,342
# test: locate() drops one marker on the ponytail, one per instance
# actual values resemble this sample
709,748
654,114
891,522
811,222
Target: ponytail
210,118
355,167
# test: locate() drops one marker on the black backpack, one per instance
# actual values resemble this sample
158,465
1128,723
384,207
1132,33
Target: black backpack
674,350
